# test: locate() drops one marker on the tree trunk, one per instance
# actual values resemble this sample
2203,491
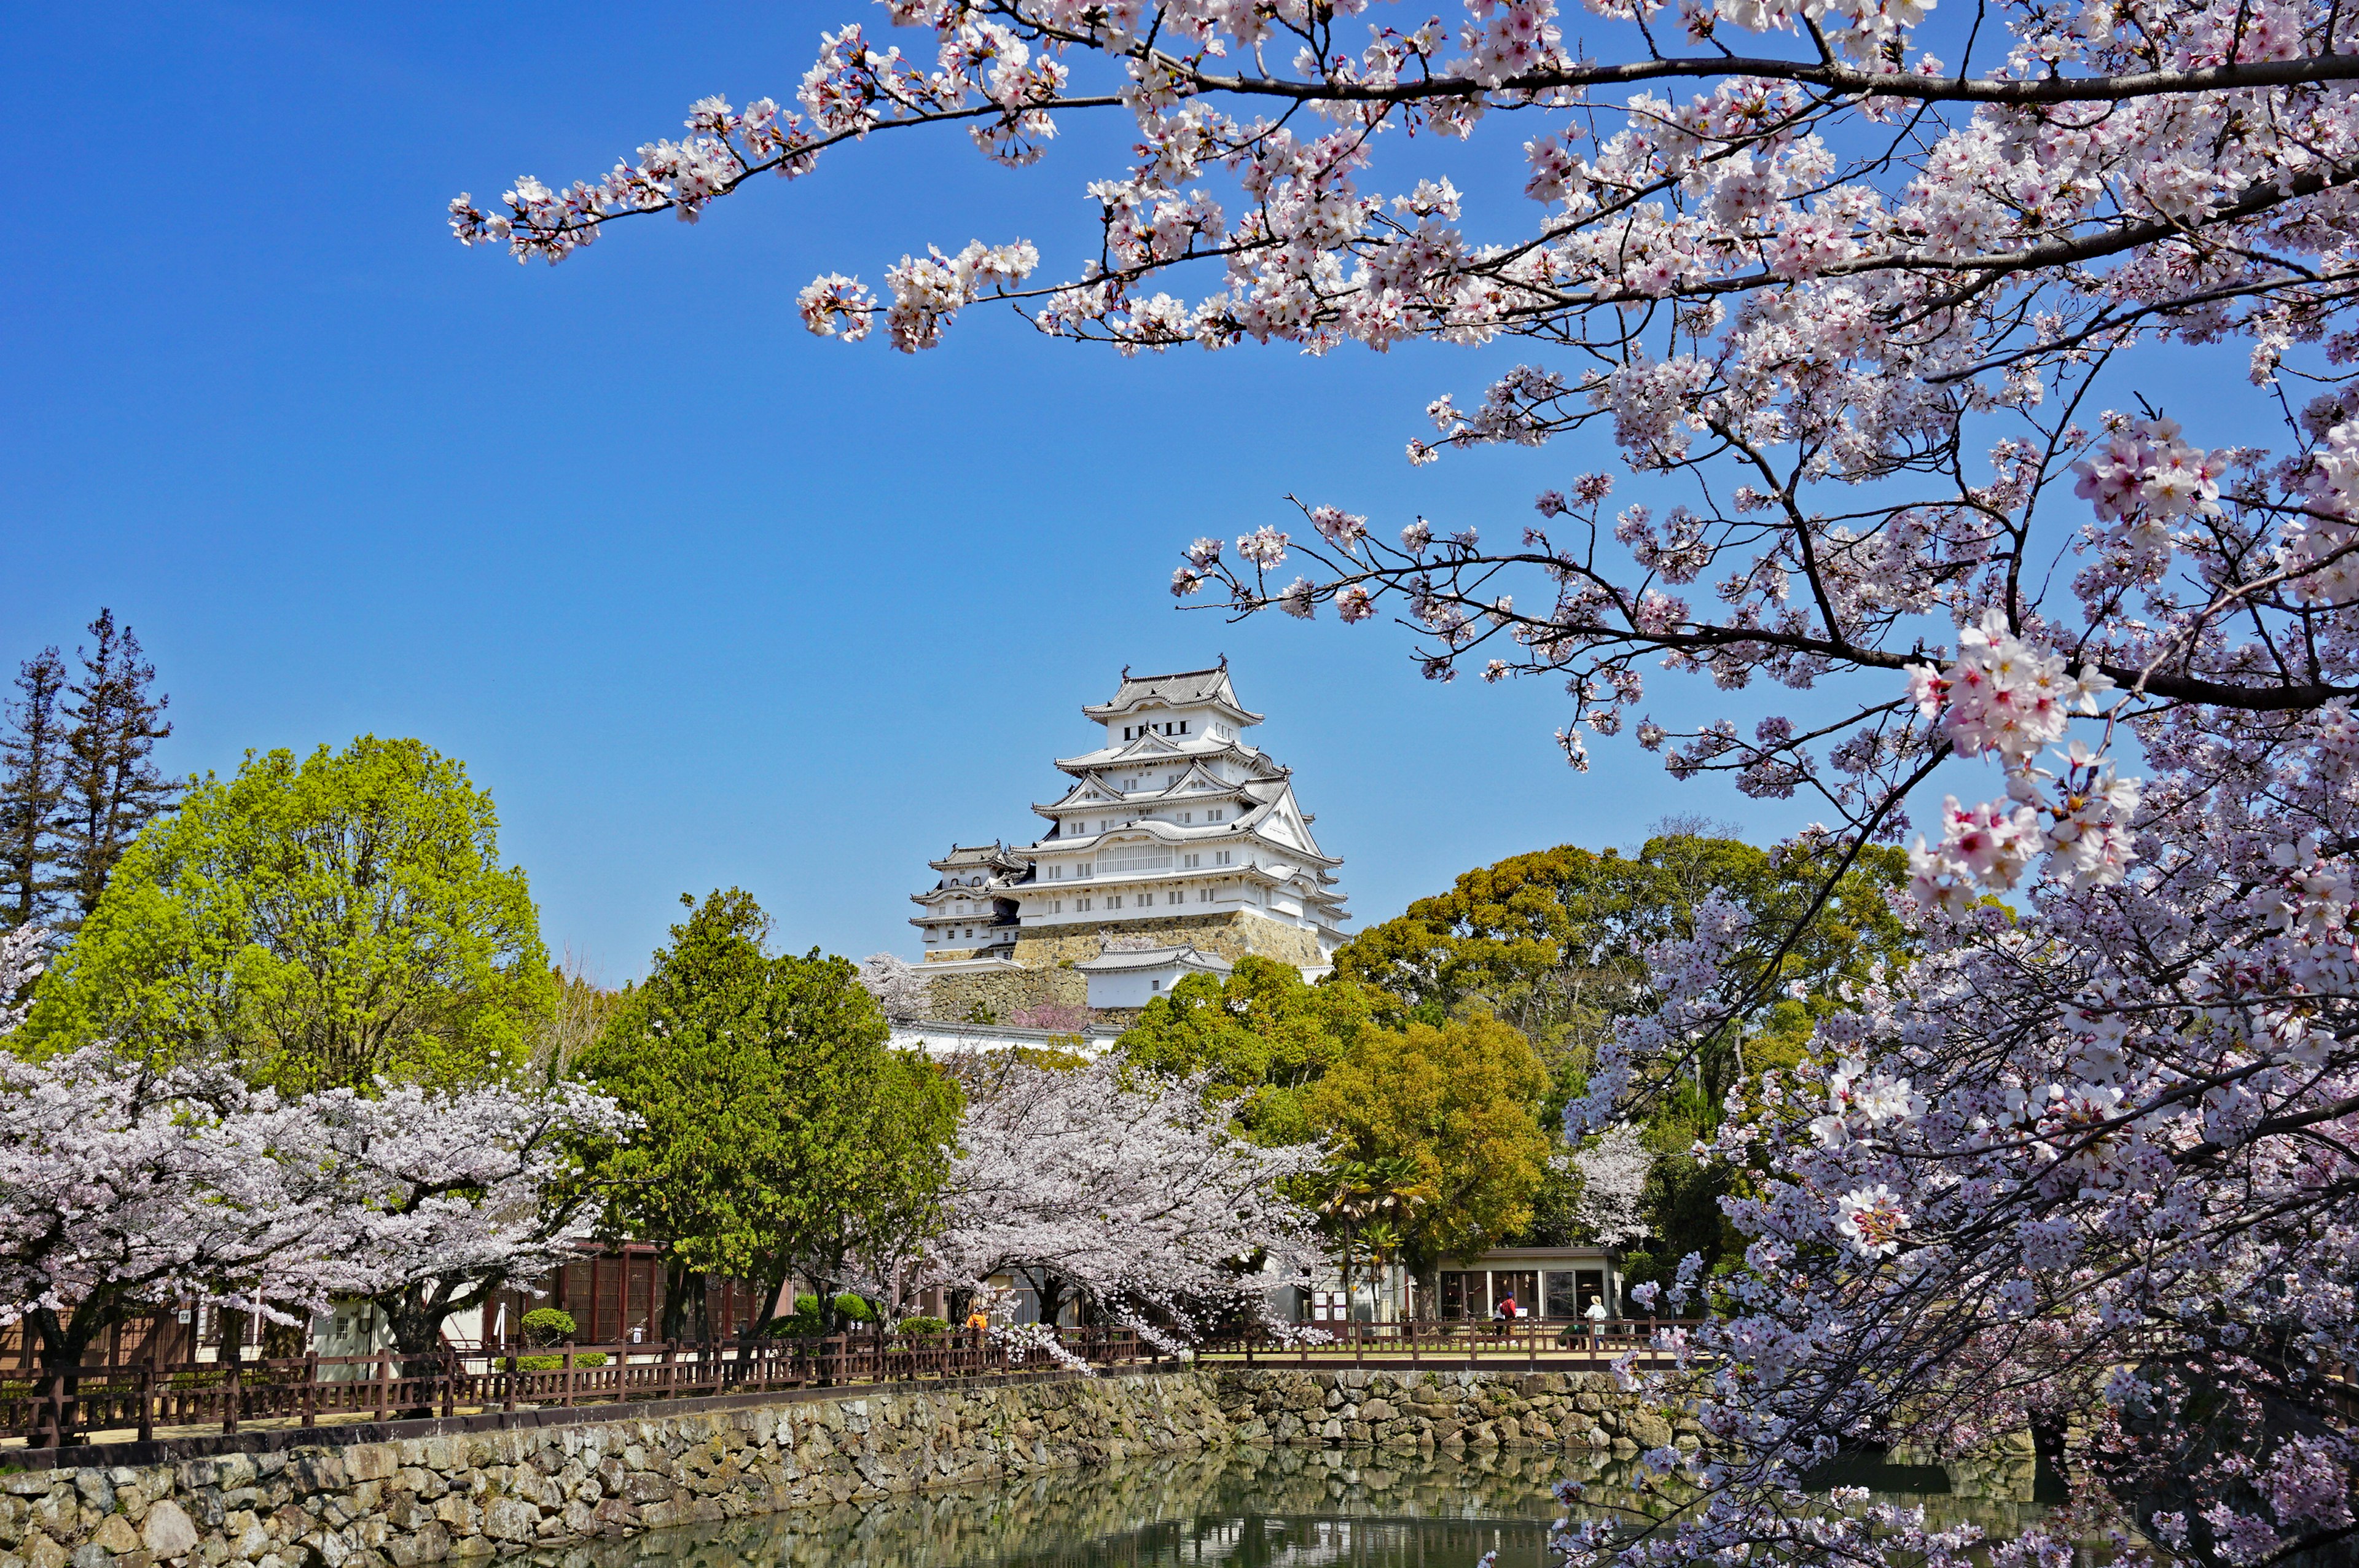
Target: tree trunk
415,1316
678,1277
63,1346
1051,1295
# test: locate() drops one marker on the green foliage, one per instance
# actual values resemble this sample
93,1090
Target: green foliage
1554,943
979,1013
1452,1106
1264,1036
920,1326
1682,1204
801,1323
808,1321
320,921
581,1359
781,1131
546,1326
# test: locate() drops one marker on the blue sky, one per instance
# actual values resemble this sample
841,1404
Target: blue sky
702,599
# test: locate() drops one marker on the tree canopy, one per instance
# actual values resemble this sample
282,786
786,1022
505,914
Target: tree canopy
780,1131
319,922
1456,1102
1555,942
1261,1035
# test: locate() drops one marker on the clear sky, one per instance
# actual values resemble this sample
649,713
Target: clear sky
701,598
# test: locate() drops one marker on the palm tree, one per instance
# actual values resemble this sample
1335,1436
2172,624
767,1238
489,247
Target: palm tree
1365,1195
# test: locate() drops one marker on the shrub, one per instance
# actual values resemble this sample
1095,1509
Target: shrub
547,1325
925,1325
805,1323
557,1363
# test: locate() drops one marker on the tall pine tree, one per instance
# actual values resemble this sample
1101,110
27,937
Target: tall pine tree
112,783
32,789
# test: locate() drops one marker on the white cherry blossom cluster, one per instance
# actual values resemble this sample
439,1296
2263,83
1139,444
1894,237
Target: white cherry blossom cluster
2007,696
1613,1171
124,1187
1132,1196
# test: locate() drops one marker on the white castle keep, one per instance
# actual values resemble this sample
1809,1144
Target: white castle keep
1175,837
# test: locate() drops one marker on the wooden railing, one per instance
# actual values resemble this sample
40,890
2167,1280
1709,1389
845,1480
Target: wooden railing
1535,1343
49,1408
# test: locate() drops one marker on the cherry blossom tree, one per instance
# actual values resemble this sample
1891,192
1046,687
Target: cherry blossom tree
899,987
454,1195
1129,1196
124,1188
1857,314
1612,1173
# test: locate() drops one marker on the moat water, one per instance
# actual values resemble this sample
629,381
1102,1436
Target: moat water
1253,1509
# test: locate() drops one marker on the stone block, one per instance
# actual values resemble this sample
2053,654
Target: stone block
114,1535
372,1461
168,1531
511,1519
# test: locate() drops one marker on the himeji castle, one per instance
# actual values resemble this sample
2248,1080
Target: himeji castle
1175,837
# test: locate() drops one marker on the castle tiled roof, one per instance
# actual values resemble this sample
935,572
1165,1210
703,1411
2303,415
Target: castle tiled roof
1178,689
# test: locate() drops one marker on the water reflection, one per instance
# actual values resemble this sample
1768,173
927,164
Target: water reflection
1282,1509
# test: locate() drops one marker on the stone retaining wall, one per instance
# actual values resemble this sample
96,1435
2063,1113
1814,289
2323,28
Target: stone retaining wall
554,1476
1445,1410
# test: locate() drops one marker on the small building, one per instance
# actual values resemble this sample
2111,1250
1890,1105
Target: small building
1546,1281
1132,979
959,1039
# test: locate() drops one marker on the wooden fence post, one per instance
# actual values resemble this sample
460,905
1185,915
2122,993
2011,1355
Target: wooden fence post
230,1393
148,1399
670,1370
450,1362
384,1381
568,1374
310,1386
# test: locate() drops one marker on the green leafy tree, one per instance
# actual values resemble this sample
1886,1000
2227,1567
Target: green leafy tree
320,921
781,1131
1262,1034
1554,942
1454,1103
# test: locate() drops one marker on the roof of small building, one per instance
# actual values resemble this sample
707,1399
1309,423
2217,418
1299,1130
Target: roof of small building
1136,959
1180,689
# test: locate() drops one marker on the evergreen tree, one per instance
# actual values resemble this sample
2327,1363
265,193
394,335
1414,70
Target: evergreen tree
112,785
32,788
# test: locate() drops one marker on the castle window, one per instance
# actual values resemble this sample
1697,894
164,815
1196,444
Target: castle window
1213,816
1183,726
1114,902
